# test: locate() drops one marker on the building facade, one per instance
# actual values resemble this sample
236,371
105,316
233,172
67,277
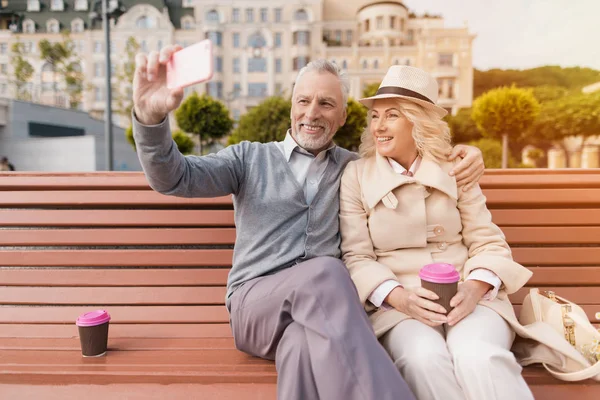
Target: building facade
259,45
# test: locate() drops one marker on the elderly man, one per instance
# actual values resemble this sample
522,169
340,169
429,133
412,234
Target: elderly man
289,296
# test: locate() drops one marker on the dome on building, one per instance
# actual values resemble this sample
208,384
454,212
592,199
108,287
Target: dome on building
382,22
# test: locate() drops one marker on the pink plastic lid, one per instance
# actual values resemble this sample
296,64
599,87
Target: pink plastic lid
439,273
93,318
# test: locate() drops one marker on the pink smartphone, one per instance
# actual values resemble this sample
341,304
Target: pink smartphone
191,65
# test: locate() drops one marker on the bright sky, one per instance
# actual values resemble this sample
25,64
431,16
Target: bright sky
524,33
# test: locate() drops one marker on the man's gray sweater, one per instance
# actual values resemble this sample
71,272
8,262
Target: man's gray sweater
275,227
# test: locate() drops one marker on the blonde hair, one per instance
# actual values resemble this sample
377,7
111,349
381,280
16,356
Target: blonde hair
430,133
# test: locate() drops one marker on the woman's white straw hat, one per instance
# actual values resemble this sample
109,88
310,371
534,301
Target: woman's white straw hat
409,83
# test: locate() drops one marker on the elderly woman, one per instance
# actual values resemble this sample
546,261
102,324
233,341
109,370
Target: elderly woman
401,210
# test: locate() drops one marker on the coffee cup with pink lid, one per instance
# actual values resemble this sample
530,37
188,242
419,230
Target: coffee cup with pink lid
93,332
442,279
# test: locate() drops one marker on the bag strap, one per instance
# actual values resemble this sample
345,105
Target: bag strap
592,372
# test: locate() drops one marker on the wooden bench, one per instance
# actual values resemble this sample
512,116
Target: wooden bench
71,243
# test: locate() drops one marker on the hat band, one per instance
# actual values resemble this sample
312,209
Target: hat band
402,92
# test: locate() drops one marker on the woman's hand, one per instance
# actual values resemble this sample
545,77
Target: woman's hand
465,301
470,169
418,304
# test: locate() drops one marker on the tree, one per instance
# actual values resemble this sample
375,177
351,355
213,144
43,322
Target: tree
348,136
205,117
546,93
491,150
63,59
575,115
123,95
370,89
22,71
505,112
267,122
462,126
184,142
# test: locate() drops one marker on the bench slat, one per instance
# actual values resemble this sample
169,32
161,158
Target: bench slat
578,295
552,235
116,218
112,295
117,237
95,198
113,277
542,276
156,330
546,217
535,198
557,256
590,311
120,344
124,258
119,314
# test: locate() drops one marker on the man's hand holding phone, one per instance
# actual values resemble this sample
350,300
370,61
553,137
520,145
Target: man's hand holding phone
161,76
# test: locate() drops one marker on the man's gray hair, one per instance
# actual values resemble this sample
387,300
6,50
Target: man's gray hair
322,65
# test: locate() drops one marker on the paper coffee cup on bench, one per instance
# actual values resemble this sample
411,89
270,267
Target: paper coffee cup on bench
93,333
442,279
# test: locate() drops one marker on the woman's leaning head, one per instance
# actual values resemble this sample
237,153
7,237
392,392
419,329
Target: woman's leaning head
399,128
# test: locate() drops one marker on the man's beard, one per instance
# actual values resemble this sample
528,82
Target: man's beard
315,141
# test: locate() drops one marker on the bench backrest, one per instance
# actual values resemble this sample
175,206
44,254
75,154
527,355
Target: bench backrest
71,243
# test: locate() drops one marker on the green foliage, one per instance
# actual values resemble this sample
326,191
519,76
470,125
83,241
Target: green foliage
205,117
267,122
491,150
184,142
505,111
577,114
123,95
570,78
65,63
370,89
348,136
546,93
22,71
462,126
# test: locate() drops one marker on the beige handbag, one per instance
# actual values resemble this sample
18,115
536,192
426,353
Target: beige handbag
570,321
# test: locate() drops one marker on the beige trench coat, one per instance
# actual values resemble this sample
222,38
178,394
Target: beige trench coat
392,225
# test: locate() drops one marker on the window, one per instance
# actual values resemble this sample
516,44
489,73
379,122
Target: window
98,94
77,26
345,64
237,89
338,36
219,64
249,15
215,89
159,45
300,62
235,114
28,26
57,5
187,23
215,38
349,36
33,5
48,77
80,46
236,40
144,46
257,89
445,59
28,47
212,16
301,15
365,64
258,64
302,38
407,62
3,69
264,16
278,15
3,88
81,5
278,65
236,65
410,36
376,64
256,40
98,71
98,47
278,89
278,40
392,22
188,3
379,22
52,26
145,22
402,24
3,48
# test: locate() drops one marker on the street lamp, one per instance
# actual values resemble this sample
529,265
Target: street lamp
109,9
